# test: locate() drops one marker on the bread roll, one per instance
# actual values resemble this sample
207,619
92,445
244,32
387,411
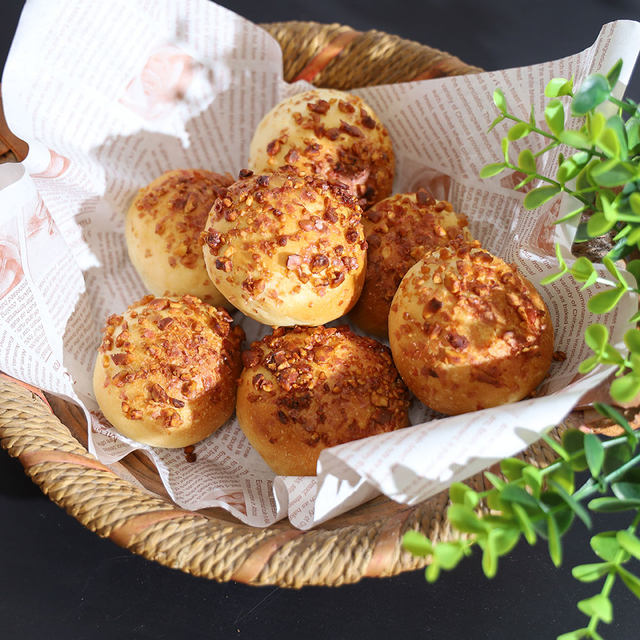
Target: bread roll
468,331
399,231
286,249
163,228
328,133
305,389
166,370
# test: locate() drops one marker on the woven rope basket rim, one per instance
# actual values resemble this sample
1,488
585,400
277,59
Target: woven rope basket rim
210,543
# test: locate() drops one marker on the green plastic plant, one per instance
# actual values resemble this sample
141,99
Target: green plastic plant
599,166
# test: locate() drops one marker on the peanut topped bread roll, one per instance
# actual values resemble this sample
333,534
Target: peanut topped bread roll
166,370
328,133
287,249
304,389
163,228
468,331
399,231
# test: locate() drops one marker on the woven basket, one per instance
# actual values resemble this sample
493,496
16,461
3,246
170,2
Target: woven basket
127,502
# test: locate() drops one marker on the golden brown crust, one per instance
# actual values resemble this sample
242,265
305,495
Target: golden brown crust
305,389
328,133
468,331
286,249
163,228
166,370
399,231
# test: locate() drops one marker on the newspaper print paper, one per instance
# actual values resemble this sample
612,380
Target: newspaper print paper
109,94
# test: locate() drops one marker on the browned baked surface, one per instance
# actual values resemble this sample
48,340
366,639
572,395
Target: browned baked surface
468,331
166,370
286,249
163,228
399,231
305,389
328,133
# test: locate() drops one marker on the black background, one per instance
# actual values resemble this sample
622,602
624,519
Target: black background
58,580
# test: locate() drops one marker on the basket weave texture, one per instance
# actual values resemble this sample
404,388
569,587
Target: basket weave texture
132,508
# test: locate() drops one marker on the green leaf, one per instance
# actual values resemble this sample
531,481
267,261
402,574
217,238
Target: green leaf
505,148
616,124
505,539
457,492
593,91
616,456
626,490
527,161
594,452
596,122
632,126
575,635
498,483
608,142
558,87
598,225
613,505
564,476
518,130
633,267
573,442
632,582
465,519
525,523
417,543
573,138
598,605
583,270
489,556
555,544
511,468
491,170
533,479
589,364
590,572
513,493
634,201
432,572
499,100
556,446
614,271
596,336
605,545
539,196
626,388
613,173
554,115
632,340
613,414
606,300
448,554
555,504
629,542
575,506
614,73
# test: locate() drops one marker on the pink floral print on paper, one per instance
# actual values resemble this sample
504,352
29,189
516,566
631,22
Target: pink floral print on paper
161,84
11,272
57,166
40,219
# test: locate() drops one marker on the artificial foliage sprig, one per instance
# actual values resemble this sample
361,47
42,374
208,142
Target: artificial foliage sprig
531,503
598,165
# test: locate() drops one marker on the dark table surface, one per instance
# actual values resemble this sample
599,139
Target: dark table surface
58,580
